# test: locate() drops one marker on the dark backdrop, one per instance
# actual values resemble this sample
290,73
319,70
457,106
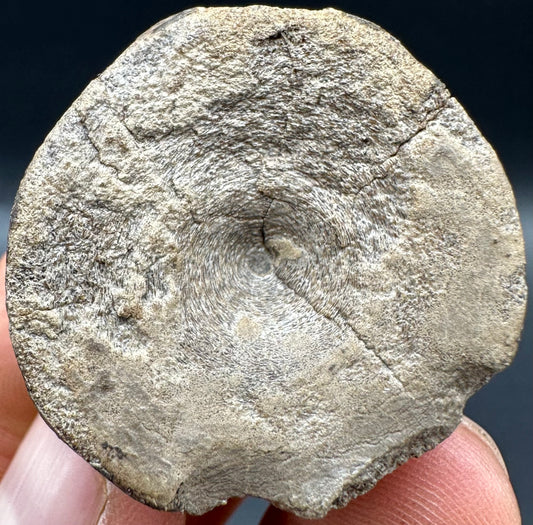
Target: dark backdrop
482,50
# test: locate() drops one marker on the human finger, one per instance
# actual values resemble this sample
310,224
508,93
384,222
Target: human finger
16,408
49,484
462,481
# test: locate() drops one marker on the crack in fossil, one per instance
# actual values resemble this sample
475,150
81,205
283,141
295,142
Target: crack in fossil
87,133
345,324
423,127
429,118
263,219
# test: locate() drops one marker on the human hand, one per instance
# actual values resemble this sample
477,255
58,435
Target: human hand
43,482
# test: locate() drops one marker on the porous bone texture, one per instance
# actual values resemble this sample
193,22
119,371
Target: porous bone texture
266,253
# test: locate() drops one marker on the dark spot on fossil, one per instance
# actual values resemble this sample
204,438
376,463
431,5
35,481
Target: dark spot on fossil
113,452
103,384
277,35
289,34
96,347
260,263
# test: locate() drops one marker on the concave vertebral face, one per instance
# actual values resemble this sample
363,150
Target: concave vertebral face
266,253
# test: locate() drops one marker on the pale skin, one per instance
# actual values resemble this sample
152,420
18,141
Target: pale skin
462,481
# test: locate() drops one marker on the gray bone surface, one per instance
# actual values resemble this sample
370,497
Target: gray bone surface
265,253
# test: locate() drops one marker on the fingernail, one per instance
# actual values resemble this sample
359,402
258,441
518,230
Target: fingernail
485,437
47,483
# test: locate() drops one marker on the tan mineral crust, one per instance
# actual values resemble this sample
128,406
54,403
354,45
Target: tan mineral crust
265,253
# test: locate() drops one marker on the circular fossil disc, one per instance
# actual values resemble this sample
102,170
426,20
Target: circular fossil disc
265,253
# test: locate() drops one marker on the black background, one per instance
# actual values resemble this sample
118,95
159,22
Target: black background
482,50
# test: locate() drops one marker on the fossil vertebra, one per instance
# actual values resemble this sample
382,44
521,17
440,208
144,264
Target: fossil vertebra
265,252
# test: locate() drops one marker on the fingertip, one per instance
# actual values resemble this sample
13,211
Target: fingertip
16,408
478,432
49,483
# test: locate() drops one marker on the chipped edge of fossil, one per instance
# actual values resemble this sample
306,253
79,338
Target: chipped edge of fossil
417,445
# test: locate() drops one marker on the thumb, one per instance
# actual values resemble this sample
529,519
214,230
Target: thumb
49,484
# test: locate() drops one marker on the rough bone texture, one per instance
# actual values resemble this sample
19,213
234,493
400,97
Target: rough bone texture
266,253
